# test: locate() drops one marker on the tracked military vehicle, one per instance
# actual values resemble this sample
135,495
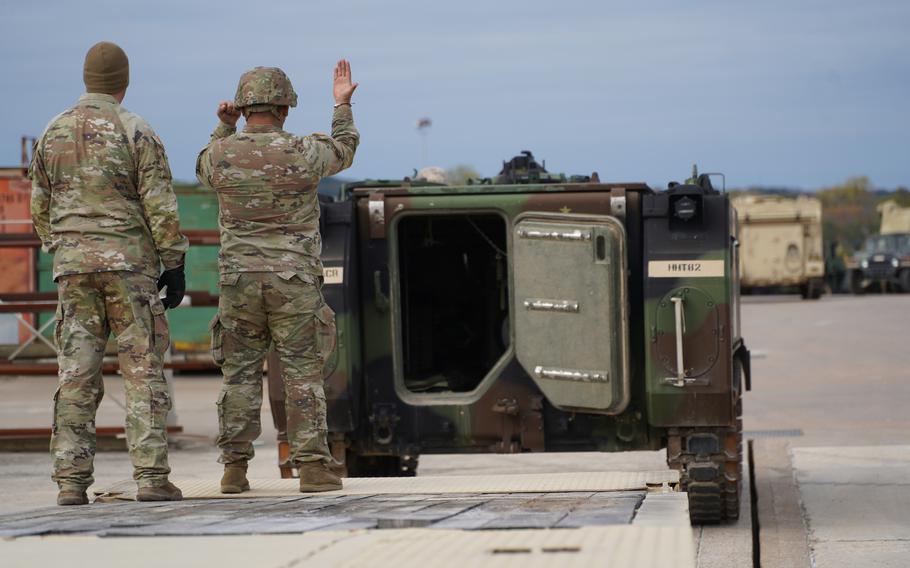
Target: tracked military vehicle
536,312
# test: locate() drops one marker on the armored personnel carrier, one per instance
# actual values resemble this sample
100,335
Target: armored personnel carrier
536,312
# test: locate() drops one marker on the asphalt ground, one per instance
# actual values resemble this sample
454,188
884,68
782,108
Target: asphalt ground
831,387
829,419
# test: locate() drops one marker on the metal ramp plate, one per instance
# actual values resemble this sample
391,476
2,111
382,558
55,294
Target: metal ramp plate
563,501
435,484
616,546
525,520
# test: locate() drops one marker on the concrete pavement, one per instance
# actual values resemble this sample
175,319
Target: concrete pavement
857,504
830,390
837,372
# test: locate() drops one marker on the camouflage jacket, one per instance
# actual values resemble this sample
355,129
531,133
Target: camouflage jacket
102,198
266,183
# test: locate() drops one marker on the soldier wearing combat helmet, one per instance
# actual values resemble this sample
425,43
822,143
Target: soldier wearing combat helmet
103,204
271,272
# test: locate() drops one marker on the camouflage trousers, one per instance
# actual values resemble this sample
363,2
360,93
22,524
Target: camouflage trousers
91,306
255,311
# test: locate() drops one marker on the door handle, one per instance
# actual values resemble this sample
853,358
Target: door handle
680,380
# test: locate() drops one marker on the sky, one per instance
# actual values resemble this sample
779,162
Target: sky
799,94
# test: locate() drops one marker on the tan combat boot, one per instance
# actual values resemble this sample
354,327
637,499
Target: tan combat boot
316,476
166,492
72,497
234,479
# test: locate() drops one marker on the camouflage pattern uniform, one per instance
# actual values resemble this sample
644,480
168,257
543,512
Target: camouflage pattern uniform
271,272
103,204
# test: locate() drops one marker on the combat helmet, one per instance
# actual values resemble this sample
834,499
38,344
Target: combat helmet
263,89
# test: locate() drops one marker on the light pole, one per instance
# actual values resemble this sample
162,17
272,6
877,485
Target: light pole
423,129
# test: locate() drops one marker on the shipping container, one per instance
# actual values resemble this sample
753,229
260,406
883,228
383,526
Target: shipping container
18,273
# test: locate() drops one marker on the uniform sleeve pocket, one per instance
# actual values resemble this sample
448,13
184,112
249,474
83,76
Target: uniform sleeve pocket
217,348
326,333
229,279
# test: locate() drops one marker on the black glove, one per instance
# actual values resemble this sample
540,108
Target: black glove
175,280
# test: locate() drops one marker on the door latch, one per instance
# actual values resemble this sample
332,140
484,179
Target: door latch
680,380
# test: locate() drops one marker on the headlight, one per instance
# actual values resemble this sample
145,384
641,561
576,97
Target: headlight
895,263
864,264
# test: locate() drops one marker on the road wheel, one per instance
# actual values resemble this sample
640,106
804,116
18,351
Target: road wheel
710,465
811,289
817,289
856,282
903,278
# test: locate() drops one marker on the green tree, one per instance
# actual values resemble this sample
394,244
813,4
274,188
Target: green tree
460,174
901,195
849,212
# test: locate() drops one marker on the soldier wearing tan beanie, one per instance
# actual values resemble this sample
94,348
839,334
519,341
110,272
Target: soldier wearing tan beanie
106,69
104,205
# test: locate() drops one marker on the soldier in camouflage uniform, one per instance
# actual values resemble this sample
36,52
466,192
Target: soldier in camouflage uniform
271,272
103,204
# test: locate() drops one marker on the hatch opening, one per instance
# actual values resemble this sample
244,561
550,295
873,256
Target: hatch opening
454,299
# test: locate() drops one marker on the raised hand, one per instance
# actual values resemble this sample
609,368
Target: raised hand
342,87
227,113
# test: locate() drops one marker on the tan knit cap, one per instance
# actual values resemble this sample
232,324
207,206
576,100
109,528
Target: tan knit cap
107,69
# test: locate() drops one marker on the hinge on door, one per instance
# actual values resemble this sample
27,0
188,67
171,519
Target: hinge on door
539,304
571,235
376,210
618,203
508,409
576,375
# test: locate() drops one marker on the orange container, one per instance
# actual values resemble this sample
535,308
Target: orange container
17,265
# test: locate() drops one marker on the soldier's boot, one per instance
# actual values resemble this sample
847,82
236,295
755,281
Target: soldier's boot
72,497
234,479
316,476
166,492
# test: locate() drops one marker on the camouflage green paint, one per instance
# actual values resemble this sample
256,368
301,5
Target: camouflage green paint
91,307
697,422
477,427
102,198
708,336
512,415
254,311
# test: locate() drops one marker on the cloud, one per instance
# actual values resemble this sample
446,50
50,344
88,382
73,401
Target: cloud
777,92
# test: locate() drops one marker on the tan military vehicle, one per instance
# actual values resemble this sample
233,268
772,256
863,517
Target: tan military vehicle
895,219
780,243
884,260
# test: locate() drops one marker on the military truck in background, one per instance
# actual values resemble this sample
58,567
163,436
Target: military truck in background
780,243
536,312
884,259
